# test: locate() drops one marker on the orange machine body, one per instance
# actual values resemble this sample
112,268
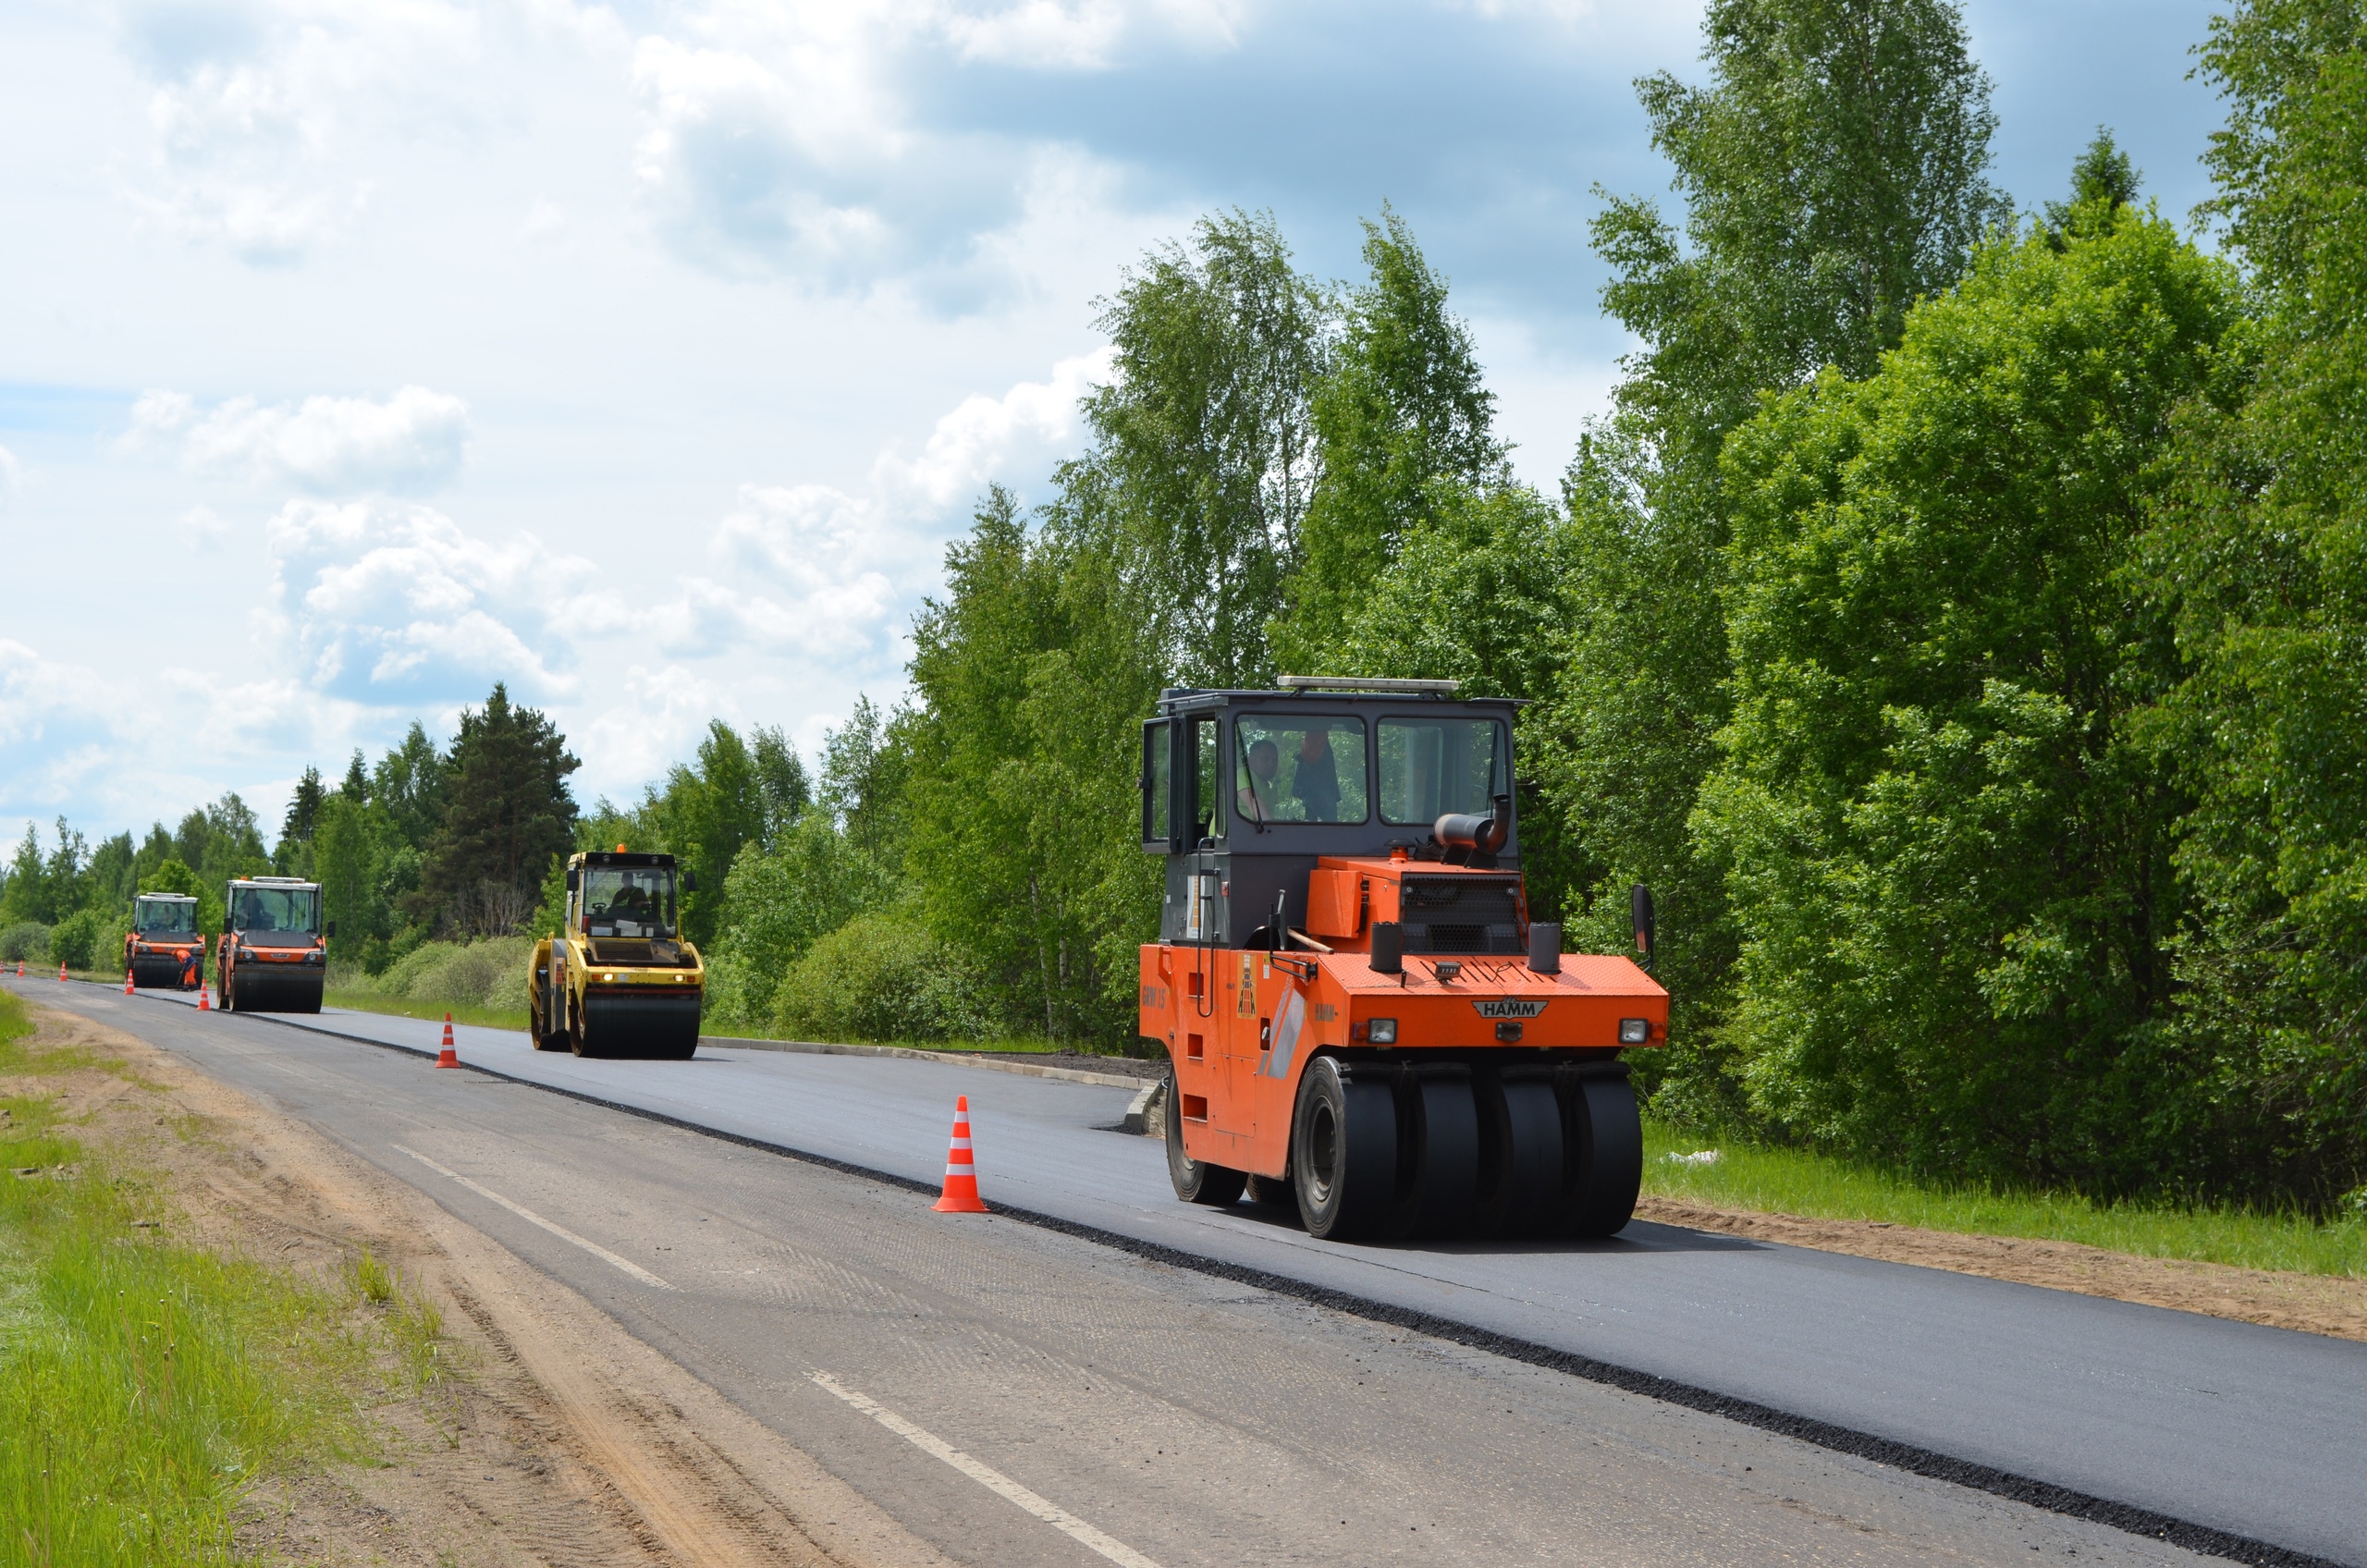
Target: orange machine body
164,947
1243,1019
1241,1024
273,953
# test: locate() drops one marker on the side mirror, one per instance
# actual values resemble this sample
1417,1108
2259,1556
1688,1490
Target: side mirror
1639,900
689,880
572,877
330,929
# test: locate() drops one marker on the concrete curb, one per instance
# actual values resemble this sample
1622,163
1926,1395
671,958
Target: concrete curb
957,1059
1148,1111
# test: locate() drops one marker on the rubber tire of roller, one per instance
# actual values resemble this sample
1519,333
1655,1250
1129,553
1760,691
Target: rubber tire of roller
1445,1170
1520,1153
1195,1180
1605,1133
552,1041
266,991
1344,1154
579,1034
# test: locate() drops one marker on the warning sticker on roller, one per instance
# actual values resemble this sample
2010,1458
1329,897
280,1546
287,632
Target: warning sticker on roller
1509,1007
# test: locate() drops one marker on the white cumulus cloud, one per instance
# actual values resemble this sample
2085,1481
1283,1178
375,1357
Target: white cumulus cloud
250,103
792,137
1083,34
385,602
412,441
814,569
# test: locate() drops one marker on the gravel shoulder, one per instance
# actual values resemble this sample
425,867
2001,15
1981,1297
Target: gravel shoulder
2313,1304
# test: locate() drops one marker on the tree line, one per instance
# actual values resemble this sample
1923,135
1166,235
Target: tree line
430,841
1957,620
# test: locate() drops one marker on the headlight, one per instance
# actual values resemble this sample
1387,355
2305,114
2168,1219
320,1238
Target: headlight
1634,1031
1381,1032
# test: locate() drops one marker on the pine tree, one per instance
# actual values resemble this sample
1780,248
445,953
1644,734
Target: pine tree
508,811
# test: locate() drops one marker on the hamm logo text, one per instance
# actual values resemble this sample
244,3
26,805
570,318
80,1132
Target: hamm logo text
1506,1006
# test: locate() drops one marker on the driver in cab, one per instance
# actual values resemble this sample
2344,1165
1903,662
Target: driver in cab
1315,786
633,902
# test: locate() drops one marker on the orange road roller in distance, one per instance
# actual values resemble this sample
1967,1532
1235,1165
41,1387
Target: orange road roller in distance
164,949
273,955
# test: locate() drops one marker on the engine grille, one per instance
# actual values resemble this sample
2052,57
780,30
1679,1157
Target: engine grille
633,952
1461,914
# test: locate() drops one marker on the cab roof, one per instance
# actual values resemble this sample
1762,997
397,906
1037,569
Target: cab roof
168,897
632,862
271,882
1350,693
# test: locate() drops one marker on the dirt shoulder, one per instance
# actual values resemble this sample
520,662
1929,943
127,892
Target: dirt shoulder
557,1437
2314,1303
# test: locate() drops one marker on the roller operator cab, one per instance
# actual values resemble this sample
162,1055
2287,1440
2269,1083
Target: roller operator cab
164,947
619,980
1360,1015
273,955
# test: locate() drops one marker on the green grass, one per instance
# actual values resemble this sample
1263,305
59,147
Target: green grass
1819,1187
402,1007
145,1384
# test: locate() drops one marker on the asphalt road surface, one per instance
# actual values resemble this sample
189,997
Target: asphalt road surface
1141,1406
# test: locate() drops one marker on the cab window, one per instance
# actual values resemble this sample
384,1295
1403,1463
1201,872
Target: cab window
1158,781
1299,768
1432,766
1208,778
628,901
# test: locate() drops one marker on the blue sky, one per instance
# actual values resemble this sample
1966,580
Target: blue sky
358,353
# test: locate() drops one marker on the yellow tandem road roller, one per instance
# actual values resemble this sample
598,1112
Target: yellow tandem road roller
619,980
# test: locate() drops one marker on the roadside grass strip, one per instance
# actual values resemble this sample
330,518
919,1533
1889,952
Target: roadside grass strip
511,1019
1725,1173
145,1385
994,1480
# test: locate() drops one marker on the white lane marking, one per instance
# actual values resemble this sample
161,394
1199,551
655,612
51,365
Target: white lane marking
994,1480
531,1217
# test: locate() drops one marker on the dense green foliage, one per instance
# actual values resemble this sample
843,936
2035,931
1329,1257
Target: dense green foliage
1957,620
2261,555
1832,171
1946,846
1402,424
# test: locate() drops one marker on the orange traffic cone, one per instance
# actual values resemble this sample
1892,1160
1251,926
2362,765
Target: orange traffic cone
448,1057
126,982
961,1175
61,969
204,1002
